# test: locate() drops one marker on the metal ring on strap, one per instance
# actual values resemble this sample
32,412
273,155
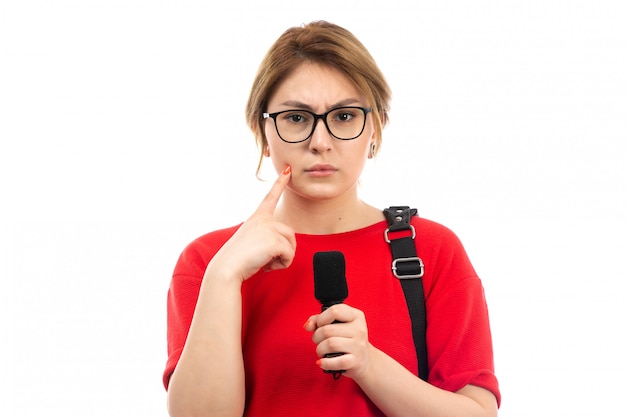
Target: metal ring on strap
387,233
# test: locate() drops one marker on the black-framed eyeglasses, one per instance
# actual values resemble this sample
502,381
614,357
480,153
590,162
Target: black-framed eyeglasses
344,123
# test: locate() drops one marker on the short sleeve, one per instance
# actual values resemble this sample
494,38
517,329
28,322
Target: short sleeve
458,338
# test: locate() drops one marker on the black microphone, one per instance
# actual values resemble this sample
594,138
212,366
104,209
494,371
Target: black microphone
329,277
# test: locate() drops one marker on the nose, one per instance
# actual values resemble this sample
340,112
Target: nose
321,139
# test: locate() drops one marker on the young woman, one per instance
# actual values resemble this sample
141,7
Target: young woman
245,335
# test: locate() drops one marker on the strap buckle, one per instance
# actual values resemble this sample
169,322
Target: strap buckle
408,271
410,227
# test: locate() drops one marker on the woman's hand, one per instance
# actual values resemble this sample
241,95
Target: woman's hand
260,242
341,328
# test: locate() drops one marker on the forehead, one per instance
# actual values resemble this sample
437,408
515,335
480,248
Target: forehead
318,86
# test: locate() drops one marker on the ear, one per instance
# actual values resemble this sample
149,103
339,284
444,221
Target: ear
372,151
266,151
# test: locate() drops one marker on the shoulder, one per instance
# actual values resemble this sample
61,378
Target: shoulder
197,254
442,252
434,233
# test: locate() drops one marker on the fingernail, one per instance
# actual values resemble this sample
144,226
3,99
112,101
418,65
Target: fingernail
318,362
287,170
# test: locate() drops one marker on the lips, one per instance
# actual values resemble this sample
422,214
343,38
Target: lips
321,170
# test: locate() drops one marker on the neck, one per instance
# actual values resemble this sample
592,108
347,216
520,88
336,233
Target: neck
320,217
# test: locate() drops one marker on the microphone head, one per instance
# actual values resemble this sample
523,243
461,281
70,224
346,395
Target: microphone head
329,276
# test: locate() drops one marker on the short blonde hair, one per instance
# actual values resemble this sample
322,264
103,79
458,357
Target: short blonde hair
326,44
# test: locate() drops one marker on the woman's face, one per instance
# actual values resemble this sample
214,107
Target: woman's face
323,167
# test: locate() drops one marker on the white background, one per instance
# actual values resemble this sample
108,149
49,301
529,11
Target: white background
123,138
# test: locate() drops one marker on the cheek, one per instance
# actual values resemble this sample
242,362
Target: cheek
279,154
356,157
271,140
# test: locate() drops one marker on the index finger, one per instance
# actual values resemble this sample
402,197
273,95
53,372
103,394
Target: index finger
268,205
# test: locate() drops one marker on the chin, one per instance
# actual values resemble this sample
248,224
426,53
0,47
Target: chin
318,192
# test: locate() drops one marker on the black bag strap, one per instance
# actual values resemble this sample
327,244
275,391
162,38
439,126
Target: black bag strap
409,269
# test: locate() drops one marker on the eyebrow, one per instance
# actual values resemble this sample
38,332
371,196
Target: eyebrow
301,105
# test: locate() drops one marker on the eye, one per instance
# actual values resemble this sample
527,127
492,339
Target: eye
295,117
343,115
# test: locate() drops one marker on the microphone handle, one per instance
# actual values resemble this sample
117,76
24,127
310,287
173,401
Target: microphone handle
336,374
327,304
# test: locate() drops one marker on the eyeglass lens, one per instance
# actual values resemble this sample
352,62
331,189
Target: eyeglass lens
343,123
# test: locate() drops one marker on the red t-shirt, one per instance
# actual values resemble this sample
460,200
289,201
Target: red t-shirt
279,355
